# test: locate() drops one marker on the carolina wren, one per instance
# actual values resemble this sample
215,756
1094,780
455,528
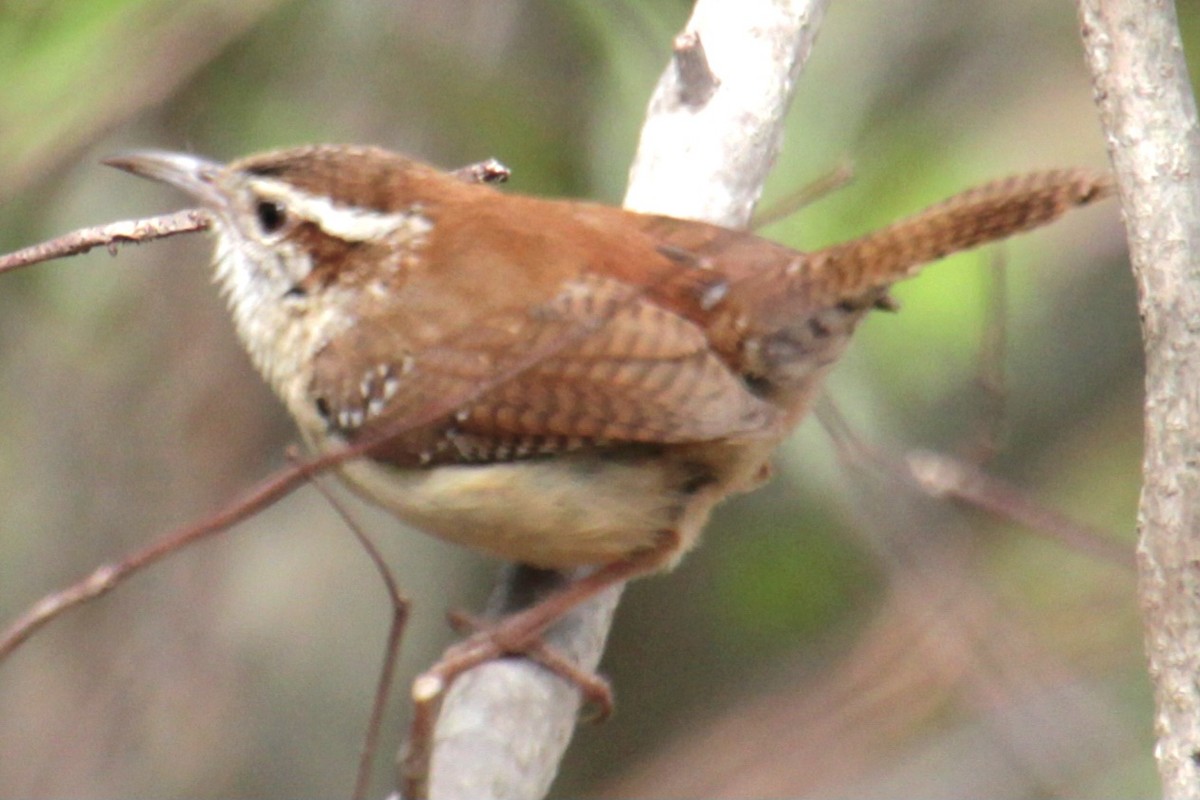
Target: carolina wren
604,377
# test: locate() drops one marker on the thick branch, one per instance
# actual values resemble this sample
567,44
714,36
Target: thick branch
1149,116
709,162
712,133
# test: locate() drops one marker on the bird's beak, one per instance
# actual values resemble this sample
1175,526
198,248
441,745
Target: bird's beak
193,175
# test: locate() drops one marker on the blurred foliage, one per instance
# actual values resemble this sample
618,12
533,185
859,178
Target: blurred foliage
244,667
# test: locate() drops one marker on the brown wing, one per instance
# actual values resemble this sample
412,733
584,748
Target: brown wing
597,364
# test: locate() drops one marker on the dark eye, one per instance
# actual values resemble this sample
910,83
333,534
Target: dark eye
271,215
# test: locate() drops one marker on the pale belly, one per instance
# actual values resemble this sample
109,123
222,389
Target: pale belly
562,512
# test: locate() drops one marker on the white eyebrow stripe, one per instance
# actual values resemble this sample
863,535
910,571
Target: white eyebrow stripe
345,222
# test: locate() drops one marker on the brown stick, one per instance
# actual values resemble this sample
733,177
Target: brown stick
942,476
105,578
110,235
400,607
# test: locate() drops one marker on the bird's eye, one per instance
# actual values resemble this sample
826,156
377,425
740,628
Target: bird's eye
271,215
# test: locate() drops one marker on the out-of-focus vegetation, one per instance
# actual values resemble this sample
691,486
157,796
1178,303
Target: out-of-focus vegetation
838,632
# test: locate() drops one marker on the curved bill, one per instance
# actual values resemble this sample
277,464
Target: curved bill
189,173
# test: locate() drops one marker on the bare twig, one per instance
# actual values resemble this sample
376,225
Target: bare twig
806,195
110,235
400,606
105,578
1149,116
504,725
943,476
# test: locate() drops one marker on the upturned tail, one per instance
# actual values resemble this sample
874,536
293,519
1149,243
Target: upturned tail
984,214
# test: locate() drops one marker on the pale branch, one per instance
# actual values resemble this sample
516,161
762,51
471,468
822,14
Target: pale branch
711,136
110,235
1146,107
710,162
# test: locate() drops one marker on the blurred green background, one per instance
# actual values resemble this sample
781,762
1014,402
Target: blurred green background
838,632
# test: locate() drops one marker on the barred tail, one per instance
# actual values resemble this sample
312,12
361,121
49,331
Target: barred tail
977,216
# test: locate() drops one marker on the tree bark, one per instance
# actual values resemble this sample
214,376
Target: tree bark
1149,117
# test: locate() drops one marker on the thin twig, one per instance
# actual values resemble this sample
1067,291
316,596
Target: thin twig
943,476
400,609
105,578
824,185
110,235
